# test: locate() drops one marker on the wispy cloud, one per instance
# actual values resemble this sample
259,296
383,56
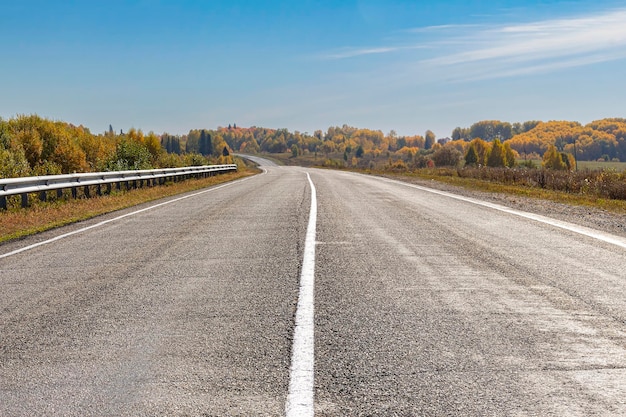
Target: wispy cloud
470,52
356,52
440,28
546,40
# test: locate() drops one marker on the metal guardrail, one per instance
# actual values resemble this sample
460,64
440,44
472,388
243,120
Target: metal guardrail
132,179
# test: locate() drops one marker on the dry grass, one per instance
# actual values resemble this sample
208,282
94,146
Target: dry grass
562,187
17,223
615,206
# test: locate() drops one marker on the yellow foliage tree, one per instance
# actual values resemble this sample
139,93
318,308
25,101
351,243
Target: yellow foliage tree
552,159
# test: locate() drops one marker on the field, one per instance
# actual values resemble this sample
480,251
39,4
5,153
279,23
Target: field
596,166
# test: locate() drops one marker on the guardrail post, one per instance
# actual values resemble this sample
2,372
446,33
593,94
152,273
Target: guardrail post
74,192
3,203
43,196
24,200
59,193
98,190
86,191
108,188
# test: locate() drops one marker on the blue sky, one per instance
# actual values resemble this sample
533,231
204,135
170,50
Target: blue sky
170,66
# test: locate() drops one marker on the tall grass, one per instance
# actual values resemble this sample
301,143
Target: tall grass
601,184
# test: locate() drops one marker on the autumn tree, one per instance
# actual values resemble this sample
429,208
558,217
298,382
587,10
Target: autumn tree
552,159
153,145
446,156
510,155
497,155
482,150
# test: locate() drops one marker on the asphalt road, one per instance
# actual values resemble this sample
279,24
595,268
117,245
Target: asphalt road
424,305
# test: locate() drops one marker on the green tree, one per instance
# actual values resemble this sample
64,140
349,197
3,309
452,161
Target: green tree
192,144
459,133
490,130
130,155
429,139
206,143
359,152
13,164
471,157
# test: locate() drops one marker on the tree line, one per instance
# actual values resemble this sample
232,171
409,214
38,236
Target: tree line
489,143
32,145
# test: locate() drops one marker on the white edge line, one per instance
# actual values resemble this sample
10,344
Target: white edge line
582,230
102,223
300,400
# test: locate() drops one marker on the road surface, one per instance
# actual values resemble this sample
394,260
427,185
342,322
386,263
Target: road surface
424,304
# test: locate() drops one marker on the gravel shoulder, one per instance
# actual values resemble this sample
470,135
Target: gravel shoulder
594,218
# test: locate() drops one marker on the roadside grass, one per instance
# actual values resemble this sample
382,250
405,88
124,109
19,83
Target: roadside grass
587,200
18,222
586,165
450,176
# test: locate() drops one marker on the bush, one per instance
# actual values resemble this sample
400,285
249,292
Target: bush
446,156
397,166
130,155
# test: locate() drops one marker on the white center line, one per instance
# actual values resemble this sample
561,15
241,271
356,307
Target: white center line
102,223
300,400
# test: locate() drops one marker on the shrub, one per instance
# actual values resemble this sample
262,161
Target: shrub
446,156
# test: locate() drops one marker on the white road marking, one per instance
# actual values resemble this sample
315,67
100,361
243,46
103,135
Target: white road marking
300,400
585,231
102,223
